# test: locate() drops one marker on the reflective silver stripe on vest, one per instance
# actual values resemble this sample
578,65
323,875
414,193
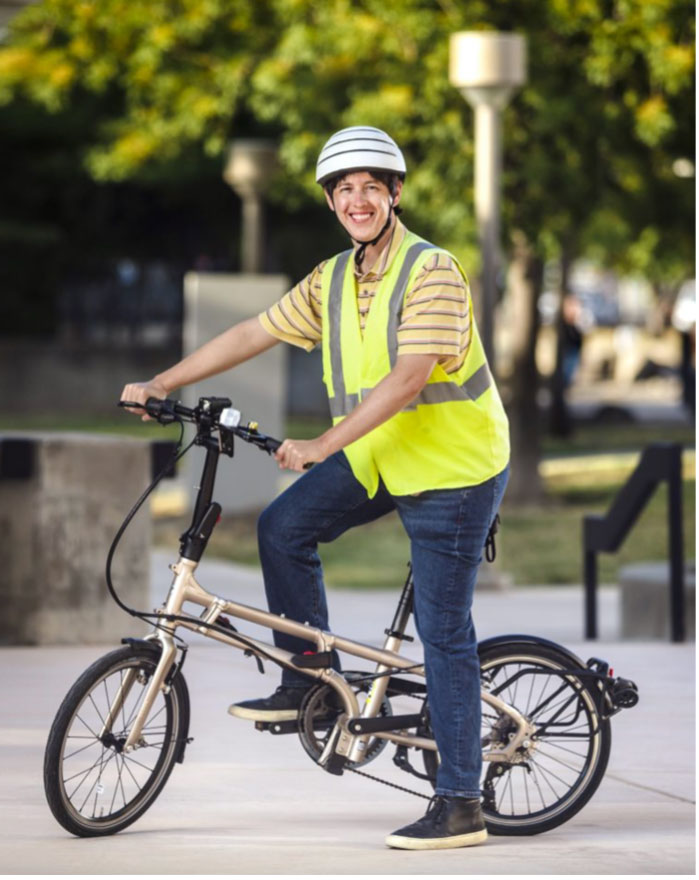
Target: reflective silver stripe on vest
446,392
395,306
343,406
342,403
443,392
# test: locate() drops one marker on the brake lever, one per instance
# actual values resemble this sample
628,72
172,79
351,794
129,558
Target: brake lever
264,442
161,409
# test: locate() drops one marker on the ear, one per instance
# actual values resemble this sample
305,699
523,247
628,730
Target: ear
329,200
399,191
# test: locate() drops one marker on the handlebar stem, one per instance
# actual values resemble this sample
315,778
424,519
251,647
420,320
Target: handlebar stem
192,546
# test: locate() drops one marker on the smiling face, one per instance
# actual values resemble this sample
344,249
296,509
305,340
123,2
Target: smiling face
362,204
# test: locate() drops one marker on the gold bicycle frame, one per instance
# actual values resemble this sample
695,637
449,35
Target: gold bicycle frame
185,588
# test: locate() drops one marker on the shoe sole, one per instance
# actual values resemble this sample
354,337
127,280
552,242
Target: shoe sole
260,715
473,839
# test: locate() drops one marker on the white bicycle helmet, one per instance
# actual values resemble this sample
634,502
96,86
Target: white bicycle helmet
359,148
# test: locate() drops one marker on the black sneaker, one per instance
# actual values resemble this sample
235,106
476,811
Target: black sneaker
448,822
283,705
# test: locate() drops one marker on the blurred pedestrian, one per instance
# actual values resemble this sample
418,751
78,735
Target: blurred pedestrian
571,338
684,320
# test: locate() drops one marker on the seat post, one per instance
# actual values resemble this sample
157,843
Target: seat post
405,607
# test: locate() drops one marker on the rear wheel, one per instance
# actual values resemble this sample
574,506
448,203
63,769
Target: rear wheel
555,773
92,786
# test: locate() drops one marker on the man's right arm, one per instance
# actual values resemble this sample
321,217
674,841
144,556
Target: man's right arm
235,346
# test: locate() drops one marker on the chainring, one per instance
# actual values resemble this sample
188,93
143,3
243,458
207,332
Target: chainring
318,712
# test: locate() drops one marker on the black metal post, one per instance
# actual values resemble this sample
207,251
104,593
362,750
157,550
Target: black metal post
590,594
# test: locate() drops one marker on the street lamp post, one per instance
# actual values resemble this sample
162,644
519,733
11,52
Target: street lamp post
486,66
249,167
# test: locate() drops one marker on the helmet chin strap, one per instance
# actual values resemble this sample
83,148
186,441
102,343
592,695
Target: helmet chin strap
363,245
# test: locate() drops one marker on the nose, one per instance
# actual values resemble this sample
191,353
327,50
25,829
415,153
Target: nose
359,199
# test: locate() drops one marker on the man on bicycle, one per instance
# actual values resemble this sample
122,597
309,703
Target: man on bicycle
418,427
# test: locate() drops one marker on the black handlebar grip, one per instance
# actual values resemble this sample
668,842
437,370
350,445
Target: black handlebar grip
161,410
271,445
152,406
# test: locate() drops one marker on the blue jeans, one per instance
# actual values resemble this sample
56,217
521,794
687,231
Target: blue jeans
447,530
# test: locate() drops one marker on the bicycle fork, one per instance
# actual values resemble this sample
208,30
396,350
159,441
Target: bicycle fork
158,680
154,686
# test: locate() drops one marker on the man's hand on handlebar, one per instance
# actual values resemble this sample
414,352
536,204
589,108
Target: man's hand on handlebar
298,455
140,392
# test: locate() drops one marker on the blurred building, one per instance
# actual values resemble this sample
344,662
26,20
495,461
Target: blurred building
9,8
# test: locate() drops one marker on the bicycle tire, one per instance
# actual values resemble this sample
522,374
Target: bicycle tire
92,788
539,689
570,749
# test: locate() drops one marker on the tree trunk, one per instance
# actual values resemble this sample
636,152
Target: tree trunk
525,280
561,423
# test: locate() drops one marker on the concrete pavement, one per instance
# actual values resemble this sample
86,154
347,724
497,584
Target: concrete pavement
247,803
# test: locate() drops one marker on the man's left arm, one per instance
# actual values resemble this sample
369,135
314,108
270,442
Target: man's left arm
405,381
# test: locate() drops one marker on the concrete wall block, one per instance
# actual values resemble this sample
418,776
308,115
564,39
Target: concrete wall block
645,600
55,531
214,302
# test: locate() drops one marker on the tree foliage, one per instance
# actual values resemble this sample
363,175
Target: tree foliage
590,141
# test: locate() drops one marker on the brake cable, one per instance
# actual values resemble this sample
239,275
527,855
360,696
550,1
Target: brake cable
174,458
152,618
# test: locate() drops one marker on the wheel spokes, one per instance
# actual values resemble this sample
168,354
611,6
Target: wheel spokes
118,776
553,766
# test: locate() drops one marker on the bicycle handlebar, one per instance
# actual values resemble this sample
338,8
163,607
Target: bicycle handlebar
211,413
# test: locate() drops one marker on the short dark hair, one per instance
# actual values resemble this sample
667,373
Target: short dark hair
390,179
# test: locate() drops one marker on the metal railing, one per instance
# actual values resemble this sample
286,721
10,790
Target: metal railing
604,534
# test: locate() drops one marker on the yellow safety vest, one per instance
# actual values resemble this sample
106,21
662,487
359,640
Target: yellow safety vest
454,433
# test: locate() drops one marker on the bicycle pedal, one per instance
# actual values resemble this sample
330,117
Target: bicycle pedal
277,728
335,764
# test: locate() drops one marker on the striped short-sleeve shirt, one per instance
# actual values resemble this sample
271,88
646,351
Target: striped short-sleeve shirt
435,319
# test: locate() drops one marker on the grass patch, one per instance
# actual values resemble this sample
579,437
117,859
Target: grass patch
122,423
536,545
543,544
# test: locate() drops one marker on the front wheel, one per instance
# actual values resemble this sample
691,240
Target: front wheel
92,786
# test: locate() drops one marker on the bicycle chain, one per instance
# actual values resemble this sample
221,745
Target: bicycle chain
385,781
389,784
370,776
